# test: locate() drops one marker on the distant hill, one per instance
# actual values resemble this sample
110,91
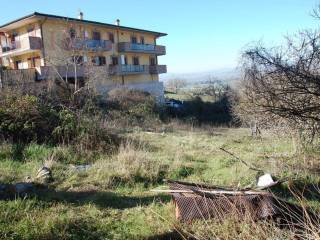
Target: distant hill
227,75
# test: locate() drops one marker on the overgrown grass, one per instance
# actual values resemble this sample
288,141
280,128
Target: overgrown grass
111,200
231,229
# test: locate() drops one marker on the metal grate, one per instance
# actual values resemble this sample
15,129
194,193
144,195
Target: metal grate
196,202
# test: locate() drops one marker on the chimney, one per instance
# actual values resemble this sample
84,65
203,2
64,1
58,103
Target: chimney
80,17
118,22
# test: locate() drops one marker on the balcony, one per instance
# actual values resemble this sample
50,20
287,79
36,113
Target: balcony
22,46
137,69
141,48
128,69
47,72
89,44
158,69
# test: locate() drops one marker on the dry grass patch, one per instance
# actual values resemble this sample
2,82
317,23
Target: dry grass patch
132,164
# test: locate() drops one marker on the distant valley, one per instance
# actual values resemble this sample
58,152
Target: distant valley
227,75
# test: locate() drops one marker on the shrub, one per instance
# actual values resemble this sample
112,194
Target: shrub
24,119
132,107
126,99
197,112
92,135
66,130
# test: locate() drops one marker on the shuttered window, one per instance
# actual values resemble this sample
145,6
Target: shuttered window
135,61
111,37
96,35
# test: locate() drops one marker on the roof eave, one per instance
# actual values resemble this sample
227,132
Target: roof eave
43,15
11,25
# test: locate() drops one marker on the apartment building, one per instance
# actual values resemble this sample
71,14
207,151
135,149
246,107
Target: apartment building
42,41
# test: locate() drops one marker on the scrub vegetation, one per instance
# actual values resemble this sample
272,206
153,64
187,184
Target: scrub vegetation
110,198
93,160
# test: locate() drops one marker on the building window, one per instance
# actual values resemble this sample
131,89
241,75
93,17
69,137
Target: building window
111,37
133,39
103,60
96,35
72,33
142,40
124,60
152,61
14,37
114,60
99,61
135,61
86,34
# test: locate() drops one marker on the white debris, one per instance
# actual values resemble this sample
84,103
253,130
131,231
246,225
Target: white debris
265,180
44,174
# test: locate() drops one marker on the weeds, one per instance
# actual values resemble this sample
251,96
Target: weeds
132,164
111,199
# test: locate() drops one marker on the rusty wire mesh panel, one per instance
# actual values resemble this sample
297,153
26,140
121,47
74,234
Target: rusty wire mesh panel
197,204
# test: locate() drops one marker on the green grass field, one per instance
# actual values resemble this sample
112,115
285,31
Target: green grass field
112,200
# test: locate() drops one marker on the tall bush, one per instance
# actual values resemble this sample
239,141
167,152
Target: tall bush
132,106
24,119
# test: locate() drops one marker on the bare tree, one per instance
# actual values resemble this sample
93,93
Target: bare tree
214,88
176,84
281,85
69,64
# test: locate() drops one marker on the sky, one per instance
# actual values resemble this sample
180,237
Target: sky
203,35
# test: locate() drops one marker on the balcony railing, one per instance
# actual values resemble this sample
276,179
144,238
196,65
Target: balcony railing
59,72
158,69
24,44
89,44
21,77
128,69
137,69
141,48
82,71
